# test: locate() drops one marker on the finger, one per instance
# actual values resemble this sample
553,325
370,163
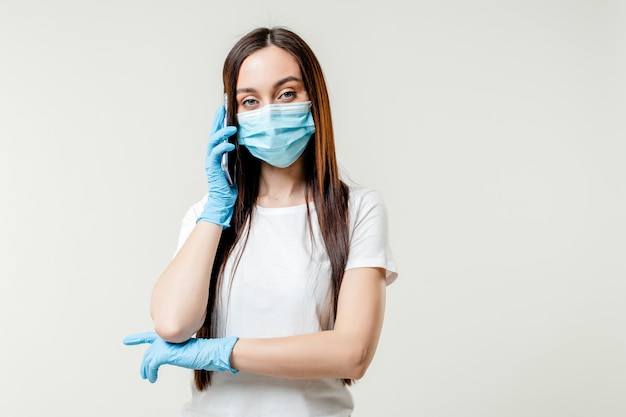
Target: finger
219,149
152,370
218,119
142,370
221,135
139,338
144,363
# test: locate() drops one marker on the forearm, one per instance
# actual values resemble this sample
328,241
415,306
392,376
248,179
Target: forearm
179,298
328,354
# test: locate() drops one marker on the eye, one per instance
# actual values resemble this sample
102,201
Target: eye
249,102
287,96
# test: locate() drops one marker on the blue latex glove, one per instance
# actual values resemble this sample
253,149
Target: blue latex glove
207,354
219,206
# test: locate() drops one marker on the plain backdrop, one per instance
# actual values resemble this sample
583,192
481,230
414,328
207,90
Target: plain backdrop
494,130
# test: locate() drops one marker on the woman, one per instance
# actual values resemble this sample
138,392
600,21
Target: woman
281,277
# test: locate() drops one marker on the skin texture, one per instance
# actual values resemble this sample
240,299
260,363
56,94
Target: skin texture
271,76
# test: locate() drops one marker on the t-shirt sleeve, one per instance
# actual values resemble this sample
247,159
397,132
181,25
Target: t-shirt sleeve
189,222
369,246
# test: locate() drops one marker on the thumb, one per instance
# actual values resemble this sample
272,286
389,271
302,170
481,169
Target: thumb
139,338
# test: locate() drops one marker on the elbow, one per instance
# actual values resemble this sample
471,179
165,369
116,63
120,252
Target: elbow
172,331
174,327
359,359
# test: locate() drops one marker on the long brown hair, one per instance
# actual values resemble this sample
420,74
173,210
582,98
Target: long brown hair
323,185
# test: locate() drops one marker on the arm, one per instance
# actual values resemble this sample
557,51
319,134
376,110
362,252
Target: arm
344,352
179,298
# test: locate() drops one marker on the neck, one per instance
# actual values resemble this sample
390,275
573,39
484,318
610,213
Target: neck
282,187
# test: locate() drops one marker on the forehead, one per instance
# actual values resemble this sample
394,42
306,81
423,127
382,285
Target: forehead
265,66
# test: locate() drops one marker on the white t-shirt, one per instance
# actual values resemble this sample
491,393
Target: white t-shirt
281,288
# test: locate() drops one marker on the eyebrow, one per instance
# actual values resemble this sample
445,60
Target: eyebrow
276,84
286,80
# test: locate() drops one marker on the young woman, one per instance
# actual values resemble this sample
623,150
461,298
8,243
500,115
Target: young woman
276,294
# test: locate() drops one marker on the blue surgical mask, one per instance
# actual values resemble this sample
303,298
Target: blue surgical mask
277,133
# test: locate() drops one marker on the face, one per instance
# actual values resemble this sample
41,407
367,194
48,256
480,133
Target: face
269,76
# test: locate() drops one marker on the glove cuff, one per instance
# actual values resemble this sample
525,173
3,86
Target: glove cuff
219,216
229,343
221,349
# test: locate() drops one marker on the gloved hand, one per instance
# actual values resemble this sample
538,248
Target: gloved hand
207,354
219,206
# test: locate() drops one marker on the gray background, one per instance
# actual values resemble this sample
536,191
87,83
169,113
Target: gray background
494,130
